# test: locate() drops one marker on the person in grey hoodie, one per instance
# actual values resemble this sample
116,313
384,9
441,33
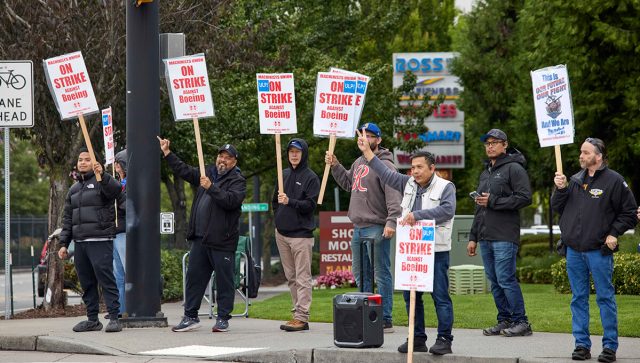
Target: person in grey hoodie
425,196
373,209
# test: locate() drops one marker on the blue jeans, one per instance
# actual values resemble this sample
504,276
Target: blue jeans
382,266
579,266
441,301
119,263
499,259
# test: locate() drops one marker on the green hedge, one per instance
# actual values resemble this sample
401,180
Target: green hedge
537,238
539,249
536,269
171,271
626,274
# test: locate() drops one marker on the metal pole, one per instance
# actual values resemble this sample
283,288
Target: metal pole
143,281
7,225
336,198
33,277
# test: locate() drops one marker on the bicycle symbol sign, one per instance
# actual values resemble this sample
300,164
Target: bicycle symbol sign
15,81
16,94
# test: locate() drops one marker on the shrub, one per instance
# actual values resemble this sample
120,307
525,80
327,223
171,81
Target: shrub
626,274
535,249
171,272
536,270
335,279
537,238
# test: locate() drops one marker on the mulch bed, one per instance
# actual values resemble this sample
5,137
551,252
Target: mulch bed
67,311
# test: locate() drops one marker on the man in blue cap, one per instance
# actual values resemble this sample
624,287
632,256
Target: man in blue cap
503,189
293,209
374,209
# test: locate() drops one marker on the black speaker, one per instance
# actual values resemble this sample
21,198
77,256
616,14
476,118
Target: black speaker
357,320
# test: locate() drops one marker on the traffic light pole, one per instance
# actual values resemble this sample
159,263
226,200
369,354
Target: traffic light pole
143,279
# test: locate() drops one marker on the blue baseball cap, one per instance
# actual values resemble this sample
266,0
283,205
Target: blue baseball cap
372,128
296,144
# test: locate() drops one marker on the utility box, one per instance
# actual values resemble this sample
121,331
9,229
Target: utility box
467,280
459,240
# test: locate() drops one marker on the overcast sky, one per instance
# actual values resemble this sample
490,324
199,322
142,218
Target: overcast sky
464,5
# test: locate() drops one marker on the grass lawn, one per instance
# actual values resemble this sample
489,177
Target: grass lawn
547,310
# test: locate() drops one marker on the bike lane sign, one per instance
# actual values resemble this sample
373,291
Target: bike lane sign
16,94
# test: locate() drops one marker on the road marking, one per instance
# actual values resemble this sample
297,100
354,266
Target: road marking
199,351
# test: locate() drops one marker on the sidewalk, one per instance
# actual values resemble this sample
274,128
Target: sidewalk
255,340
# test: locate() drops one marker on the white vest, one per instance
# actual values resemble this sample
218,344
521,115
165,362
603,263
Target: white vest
430,199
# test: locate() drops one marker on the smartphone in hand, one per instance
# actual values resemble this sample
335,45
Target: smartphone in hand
474,195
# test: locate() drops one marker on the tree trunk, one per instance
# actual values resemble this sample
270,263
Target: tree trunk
267,235
175,188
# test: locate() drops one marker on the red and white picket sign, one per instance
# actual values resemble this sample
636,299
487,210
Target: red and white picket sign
335,105
188,85
276,103
361,91
107,132
70,85
415,252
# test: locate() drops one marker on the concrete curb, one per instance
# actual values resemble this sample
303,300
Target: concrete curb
282,356
51,344
27,342
355,355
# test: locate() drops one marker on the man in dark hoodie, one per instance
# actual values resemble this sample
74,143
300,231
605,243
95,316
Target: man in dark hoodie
504,189
213,232
596,207
120,242
374,209
89,220
293,209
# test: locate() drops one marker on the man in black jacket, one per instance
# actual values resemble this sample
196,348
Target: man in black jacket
596,207
213,232
293,209
89,220
503,190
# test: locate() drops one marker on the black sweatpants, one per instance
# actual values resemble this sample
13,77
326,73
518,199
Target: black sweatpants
94,265
202,262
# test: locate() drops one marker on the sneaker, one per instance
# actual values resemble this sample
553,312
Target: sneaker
295,325
221,326
388,326
442,346
520,329
496,329
108,316
187,324
418,346
113,326
607,356
581,353
87,325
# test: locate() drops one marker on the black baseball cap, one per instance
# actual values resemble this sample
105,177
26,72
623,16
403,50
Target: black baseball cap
229,149
495,133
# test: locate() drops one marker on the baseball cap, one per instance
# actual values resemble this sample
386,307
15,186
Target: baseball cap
230,149
296,144
495,133
373,128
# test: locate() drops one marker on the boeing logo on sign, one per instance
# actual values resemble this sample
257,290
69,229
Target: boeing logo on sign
263,86
349,87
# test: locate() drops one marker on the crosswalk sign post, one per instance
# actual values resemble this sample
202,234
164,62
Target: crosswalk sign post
166,223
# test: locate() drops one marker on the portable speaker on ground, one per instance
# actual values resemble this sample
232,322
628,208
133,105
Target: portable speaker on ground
357,320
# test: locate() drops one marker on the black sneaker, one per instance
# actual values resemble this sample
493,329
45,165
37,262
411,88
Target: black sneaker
520,329
496,329
87,325
442,347
114,326
388,326
221,326
418,346
607,356
187,324
581,353
108,316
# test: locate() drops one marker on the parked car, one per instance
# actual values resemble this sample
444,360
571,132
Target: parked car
42,265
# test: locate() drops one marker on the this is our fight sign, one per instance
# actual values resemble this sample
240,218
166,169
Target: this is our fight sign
415,248
70,85
554,110
107,132
276,103
335,105
188,85
361,91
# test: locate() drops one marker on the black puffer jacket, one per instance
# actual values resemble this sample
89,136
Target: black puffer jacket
302,186
508,184
226,196
88,209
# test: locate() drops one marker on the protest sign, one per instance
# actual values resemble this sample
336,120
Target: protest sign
277,110
190,95
334,114
415,248
107,132
361,91
553,108
70,86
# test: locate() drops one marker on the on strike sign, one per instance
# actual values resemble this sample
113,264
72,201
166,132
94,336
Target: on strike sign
335,105
188,85
415,248
70,85
276,103
361,91
552,100
107,131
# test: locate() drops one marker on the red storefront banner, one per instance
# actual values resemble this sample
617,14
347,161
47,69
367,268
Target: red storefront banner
336,231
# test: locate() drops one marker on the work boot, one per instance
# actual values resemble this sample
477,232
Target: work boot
87,325
581,353
607,356
295,325
496,329
442,347
418,346
519,329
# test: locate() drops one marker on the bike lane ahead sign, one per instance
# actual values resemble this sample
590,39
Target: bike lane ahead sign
16,94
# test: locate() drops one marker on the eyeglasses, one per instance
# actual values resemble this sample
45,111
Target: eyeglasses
492,143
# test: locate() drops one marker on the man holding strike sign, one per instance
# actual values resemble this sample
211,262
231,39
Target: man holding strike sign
213,232
373,209
426,197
